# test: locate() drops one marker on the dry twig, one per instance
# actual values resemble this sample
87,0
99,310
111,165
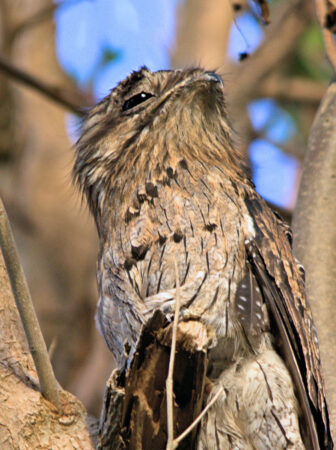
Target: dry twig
198,418
171,442
48,383
169,381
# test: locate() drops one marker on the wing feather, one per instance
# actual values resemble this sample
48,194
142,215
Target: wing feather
249,301
279,276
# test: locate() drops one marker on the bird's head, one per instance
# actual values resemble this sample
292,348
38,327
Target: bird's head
148,119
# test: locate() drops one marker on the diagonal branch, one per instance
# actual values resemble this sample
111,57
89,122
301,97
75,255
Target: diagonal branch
73,101
41,15
279,39
198,418
45,13
49,385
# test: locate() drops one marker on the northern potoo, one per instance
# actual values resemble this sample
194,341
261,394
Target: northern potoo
165,183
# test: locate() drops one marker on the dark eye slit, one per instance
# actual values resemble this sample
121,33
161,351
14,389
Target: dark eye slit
136,100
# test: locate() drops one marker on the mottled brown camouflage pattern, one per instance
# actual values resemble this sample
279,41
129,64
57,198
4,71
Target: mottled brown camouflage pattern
165,183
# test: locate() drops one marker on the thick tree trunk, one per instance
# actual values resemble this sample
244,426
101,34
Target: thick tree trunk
314,226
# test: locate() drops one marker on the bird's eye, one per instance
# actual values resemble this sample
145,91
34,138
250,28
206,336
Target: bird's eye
136,100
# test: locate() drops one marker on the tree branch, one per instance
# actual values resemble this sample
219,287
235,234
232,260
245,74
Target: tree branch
134,411
330,46
48,383
45,13
73,101
315,238
293,89
278,44
322,11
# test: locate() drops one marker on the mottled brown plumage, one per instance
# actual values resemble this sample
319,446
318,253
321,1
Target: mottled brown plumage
165,183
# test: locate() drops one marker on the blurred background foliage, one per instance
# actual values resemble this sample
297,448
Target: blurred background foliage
275,77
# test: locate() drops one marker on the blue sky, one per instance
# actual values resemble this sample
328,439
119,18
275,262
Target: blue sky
141,32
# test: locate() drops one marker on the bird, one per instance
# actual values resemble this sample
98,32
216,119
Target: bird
170,191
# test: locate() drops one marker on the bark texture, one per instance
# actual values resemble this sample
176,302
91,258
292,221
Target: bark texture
134,410
169,190
27,420
315,235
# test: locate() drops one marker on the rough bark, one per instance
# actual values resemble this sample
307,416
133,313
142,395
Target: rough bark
315,235
27,420
134,410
